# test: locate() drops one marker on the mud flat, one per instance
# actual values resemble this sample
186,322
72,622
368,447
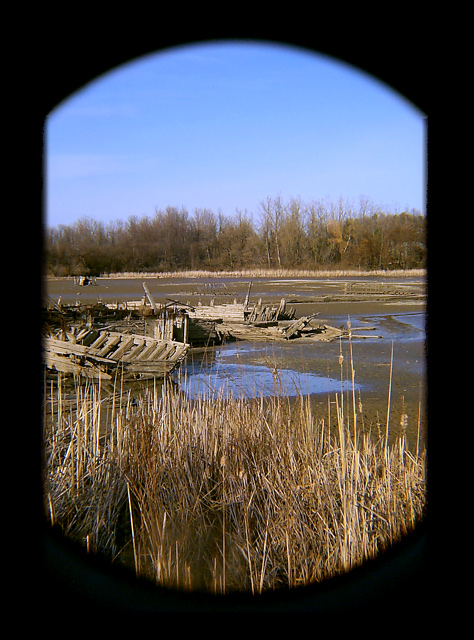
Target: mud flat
314,368
394,306
297,290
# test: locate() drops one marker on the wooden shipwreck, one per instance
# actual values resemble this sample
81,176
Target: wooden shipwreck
242,312
149,339
101,354
204,325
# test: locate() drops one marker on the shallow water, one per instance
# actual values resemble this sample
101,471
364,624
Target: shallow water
228,379
252,369
399,327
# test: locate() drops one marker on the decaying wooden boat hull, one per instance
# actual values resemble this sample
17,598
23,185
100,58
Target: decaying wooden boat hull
98,354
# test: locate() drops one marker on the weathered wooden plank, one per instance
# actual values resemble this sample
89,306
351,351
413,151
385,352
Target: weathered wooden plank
65,365
100,340
150,297
111,342
158,368
89,338
68,348
227,312
164,365
60,363
296,326
83,333
170,353
94,373
150,347
157,353
134,351
125,345
60,346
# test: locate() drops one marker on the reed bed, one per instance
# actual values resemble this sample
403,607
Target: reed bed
275,273
225,494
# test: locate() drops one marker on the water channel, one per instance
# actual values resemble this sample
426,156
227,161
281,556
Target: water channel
250,369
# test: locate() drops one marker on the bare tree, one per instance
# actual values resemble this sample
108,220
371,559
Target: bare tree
273,217
290,234
293,237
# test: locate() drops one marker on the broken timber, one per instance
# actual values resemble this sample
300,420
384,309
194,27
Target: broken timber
268,313
150,297
98,354
295,328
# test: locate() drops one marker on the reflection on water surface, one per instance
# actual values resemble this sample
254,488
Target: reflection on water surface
250,381
247,369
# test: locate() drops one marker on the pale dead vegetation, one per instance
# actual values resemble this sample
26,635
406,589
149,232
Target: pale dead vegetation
276,273
226,494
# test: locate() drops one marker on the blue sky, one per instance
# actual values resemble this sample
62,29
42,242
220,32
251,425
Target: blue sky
225,126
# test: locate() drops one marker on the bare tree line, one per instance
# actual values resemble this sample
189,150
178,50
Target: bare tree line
285,235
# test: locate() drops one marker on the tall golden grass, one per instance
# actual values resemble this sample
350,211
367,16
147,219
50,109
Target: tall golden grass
274,273
229,494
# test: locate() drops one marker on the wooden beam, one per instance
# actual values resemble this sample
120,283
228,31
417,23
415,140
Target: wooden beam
296,326
150,297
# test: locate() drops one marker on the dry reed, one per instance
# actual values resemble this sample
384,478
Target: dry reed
225,494
271,273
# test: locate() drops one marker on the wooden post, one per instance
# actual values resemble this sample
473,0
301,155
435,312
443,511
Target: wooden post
150,297
185,329
281,308
247,297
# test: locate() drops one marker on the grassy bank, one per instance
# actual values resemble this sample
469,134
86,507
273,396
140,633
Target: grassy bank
226,495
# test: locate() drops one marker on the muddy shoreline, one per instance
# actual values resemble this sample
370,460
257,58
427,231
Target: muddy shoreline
297,290
398,319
